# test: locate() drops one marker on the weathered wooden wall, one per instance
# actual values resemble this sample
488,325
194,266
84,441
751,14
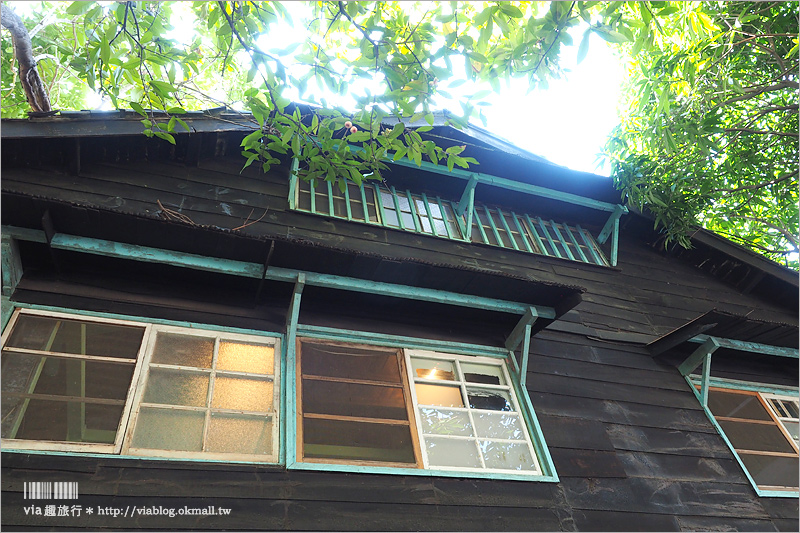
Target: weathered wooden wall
630,443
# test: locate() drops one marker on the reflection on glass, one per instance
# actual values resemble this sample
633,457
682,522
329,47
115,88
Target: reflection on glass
507,455
239,434
489,399
433,368
445,422
174,387
354,399
498,425
749,436
792,428
438,395
241,357
169,429
353,362
736,405
241,393
184,350
770,470
452,452
487,374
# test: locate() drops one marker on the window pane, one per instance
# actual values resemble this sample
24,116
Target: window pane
445,422
353,399
488,374
243,357
748,436
493,400
791,408
169,429
239,434
498,426
371,209
735,405
452,452
65,421
771,470
439,395
175,387
184,350
792,428
433,369
350,440
241,393
353,362
76,337
304,199
507,455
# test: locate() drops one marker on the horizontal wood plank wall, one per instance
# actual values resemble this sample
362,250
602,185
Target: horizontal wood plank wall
632,447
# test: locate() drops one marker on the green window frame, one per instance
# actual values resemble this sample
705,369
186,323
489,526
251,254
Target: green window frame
385,206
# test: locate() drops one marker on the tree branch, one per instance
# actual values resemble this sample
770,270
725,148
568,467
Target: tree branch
759,185
764,132
28,74
793,239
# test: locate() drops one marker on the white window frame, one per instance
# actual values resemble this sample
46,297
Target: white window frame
782,419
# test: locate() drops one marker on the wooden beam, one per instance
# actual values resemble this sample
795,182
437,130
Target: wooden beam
698,356
745,346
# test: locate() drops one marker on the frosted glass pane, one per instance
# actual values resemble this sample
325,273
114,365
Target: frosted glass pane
241,357
241,393
498,425
169,429
452,452
438,395
445,422
792,428
478,373
230,434
494,400
433,368
174,387
185,350
507,455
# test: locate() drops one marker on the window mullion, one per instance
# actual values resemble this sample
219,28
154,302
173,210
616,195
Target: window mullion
210,395
379,204
590,245
396,201
347,200
364,203
430,216
444,218
412,208
561,239
521,232
494,228
330,198
313,191
502,218
575,242
549,238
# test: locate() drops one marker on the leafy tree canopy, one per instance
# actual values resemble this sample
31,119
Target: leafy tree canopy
700,141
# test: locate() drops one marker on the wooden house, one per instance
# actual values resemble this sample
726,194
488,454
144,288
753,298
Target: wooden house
191,345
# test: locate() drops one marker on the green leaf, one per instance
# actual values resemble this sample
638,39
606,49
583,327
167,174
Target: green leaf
78,8
583,48
163,86
510,10
105,50
480,58
166,136
138,108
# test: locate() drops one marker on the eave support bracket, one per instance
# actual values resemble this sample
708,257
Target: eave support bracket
611,229
467,204
521,334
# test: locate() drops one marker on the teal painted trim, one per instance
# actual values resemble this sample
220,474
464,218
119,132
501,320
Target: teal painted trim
7,309
575,242
526,347
517,334
293,183
25,234
292,317
511,185
615,243
467,201
444,218
706,375
590,245
313,191
399,341
396,201
359,469
364,203
379,202
347,201
502,217
713,420
534,428
561,239
744,346
149,320
549,238
535,234
331,211
612,224
156,255
494,228
412,207
521,232
11,265
697,357
726,383
135,457
429,214
477,220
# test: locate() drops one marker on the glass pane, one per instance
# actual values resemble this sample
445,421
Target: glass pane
439,228
772,471
425,223
403,201
242,357
792,428
736,405
445,422
353,362
169,429
19,371
791,408
498,426
239,434
452,452
349,440
339,205
408,220
435,211
304,200
184,350
433,369
482,373
66,421
501,230
493,400
76,337
242,393
353,399
390,217
438,395
11,406
356,207
507,455
175,387
778,406
748,436
371,210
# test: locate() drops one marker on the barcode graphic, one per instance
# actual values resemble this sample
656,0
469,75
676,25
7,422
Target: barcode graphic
50,490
